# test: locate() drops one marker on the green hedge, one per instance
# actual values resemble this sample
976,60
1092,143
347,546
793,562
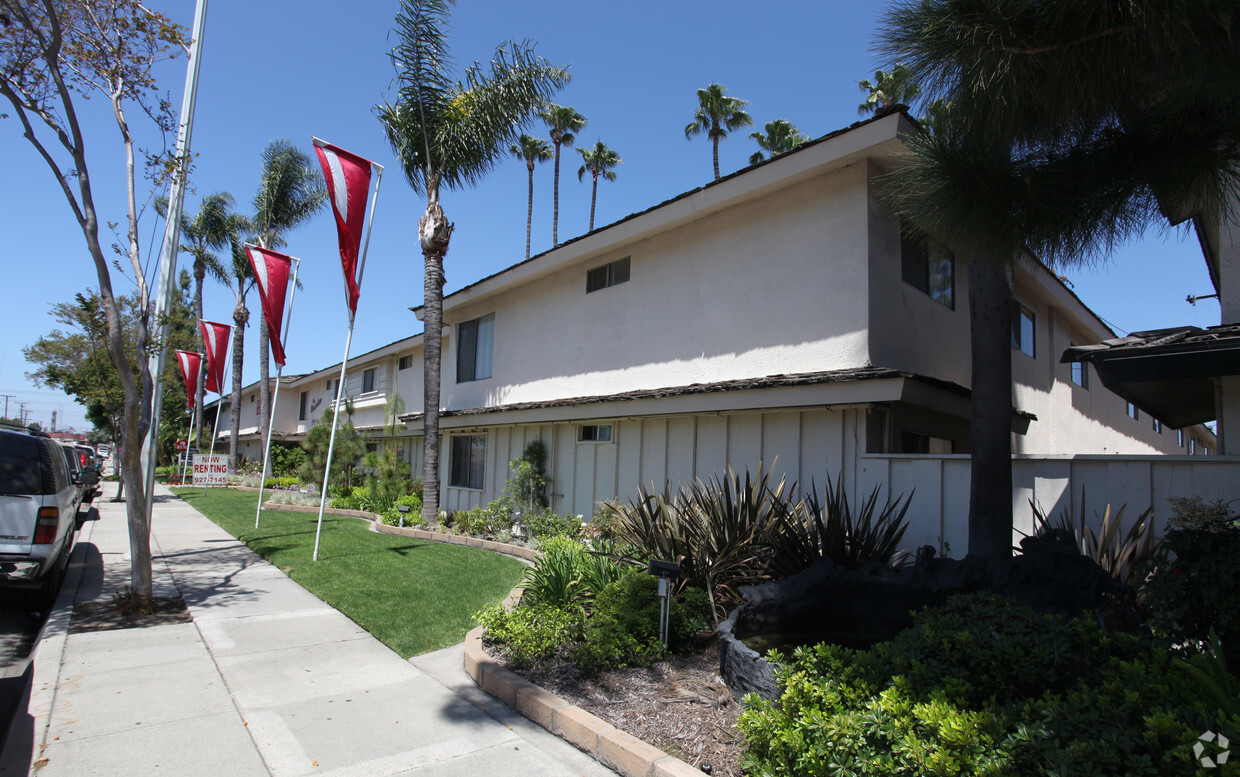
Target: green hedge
984,687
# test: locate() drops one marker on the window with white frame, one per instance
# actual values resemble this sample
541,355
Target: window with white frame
1022,330
301,405
594,433
474,348
468,461
368,380
611,274
405,362
930,270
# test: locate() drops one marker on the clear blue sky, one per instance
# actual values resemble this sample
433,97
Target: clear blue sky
281,69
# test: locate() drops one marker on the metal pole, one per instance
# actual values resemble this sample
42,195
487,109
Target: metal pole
343,365
331,444
168,252
185,462
276,397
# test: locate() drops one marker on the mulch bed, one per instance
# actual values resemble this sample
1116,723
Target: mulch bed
679,705
105,615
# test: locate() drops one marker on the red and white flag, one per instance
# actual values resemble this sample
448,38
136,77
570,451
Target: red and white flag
271,271
348,184
215,343
190,363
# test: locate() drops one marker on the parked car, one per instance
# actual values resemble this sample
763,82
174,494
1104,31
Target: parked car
38,513
88,459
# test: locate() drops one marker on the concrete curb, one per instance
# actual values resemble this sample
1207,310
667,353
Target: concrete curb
610,746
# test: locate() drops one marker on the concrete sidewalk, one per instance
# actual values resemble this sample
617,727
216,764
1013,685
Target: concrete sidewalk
266,680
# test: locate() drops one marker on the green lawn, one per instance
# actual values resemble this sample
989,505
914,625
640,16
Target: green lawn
413,595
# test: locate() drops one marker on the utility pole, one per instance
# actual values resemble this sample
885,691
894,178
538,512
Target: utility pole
7,397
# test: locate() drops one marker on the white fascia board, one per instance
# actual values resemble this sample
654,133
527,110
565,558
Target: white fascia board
879,138
776,399
413,342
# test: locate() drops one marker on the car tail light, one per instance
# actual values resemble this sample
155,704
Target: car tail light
46,525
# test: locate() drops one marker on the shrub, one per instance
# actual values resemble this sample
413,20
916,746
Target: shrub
527,488
623,629
1194,580
282,482
483,520
555,579
392,515
286,460
545,524
1125,555
982,686
531,634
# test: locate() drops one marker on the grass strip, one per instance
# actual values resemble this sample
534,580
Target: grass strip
413,595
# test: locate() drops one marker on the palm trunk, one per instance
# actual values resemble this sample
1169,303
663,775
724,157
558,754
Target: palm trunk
990,485
240,316
555,216
715,152
593,200
200,387
434,232
529,216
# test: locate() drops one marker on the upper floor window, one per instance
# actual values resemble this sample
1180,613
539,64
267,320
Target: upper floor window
1022,330
607,275
368,380
931,271
405,363
474,348
301,405
1157,426
1132,411
1179,437
1079,373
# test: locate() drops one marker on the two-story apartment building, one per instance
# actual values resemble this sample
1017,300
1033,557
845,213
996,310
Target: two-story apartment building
773,316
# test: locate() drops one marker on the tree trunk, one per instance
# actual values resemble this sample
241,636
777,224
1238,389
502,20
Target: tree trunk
200,388
529,215
555,216
714,139
593,200
434,233
990,486
240,317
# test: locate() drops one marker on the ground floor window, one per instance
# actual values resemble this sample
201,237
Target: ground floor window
594,433
468,461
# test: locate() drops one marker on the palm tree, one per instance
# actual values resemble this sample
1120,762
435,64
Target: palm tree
598,161
888,90
717,115
564,123
532,150
239,280
205,232
450,133
1069,130
290,191
781,136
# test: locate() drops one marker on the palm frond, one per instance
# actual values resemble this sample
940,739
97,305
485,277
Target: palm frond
290,190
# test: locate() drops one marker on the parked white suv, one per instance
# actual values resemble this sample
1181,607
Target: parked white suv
38,513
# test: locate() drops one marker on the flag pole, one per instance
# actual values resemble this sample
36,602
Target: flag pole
348,342
215,430
185,461
276,397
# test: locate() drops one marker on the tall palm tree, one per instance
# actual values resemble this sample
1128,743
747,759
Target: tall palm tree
780,137
532,150
599,161
290,191
1069,130
564,122
239,279
888,90
450,132
716,116
205,232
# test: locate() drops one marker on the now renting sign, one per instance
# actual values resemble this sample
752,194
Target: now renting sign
210,469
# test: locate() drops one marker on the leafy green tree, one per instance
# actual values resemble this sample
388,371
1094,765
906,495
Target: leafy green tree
780,137
346,453
290,191
564,122
532,151
1069,130
716,116
888,90
53,54
598,161
450,133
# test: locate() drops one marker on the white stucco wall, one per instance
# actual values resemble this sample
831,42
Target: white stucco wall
768,287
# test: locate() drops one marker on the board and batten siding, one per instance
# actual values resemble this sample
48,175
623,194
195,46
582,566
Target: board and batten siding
807,445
